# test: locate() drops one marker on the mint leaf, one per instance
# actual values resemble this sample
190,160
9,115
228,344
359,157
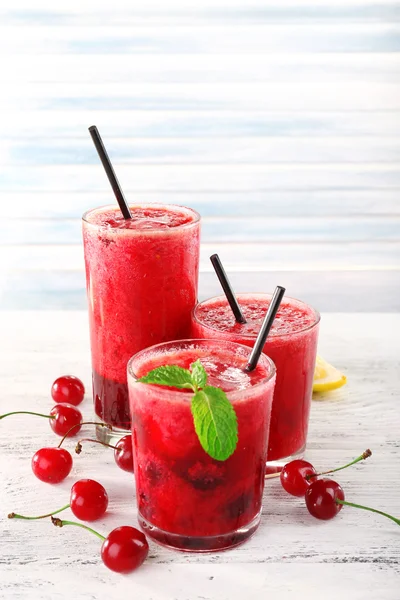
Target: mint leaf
214,418
215,422
169,375
199,375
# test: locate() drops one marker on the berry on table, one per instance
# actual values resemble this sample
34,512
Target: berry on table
294,477
52,465
122,551
297,475
321,498
67,420
68,388
88,502
325,498
123,453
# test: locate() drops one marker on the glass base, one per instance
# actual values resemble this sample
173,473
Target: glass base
275,466
214,543
110,436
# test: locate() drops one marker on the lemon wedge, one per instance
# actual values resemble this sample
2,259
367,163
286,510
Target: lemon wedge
326,377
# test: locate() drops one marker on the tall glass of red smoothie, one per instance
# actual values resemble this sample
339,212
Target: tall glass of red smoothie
292,345
141,277
186,499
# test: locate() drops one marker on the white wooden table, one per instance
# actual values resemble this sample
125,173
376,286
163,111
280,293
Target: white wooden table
355,556
278,120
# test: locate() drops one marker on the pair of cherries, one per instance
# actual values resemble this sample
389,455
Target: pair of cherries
53,464
324,497
124,549
65,419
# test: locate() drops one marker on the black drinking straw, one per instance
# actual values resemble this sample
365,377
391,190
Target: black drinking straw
112,178
265,328
226,286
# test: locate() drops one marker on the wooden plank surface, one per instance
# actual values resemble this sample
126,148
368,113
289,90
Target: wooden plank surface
278,121
340,290
357,203
254,96
204,178
291,555
237,151
190,62
62,124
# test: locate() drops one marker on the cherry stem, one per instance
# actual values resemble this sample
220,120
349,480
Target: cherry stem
271,475
379,512
61,523
78,448
80,425
363,456
16,516
27,412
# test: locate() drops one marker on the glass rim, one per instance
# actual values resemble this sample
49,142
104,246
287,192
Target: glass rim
232,395
181,207
252,336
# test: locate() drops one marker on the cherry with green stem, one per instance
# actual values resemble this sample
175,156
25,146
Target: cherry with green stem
88,502
122,551
325,498
13,515
297,475
294,476
53,465
63,418
123,454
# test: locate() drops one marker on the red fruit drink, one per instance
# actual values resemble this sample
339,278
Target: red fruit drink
292,345
141,277
186,499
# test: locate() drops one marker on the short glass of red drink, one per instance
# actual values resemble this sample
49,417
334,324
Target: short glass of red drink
292,345
186,499
141,277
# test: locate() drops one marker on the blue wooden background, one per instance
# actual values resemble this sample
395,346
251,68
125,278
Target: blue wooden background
278,120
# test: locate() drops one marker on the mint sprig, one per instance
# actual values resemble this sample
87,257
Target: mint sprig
214,417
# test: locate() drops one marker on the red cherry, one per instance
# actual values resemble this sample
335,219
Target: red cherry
123,454
68,389
89,500
321,498
66,416
124,549
52,465
294,477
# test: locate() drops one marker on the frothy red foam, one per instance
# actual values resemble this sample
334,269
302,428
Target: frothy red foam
292,316
143,218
